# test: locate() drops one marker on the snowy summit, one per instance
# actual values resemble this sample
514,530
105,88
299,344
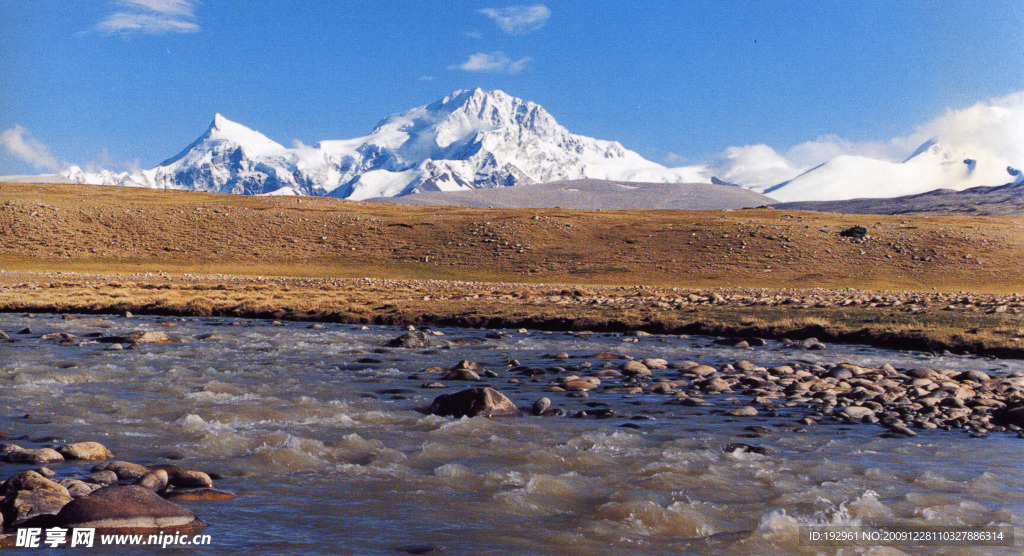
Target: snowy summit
468,140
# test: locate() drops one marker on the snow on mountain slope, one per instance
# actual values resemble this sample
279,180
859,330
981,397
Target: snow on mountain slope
932,166
470,139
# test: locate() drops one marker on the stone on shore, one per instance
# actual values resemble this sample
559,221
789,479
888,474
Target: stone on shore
474,402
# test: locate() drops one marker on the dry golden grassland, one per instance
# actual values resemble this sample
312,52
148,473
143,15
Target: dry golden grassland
102,249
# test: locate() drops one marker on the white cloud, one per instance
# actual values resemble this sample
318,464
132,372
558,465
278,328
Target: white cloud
992,131
151,17
166,7
426,78
20,143
517,20
493,62
672,158
994,128
473,35
754,166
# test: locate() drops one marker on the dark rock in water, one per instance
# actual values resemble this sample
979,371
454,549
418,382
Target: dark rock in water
413,339
812,344
856,232
124,508
192,479
25,331
421,549
474,402
1009,415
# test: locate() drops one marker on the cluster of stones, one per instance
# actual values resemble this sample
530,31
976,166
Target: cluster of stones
113,496
900,400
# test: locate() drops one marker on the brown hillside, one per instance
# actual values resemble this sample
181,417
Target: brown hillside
113,229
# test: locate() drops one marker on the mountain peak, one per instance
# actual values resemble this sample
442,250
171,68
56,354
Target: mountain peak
253,142
219,122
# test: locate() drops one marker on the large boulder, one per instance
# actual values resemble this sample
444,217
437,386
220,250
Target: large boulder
125,508
474,402
30,495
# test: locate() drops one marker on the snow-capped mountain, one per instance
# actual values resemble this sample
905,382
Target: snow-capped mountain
470,139
932,166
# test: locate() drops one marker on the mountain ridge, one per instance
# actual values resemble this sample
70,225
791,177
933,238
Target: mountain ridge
471,139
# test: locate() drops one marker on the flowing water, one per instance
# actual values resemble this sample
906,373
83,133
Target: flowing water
318,432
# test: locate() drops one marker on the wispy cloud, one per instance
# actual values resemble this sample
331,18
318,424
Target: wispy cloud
426,78
150,17
497,62
20,143
516,20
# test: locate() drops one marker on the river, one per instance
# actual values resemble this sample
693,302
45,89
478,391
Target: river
318,432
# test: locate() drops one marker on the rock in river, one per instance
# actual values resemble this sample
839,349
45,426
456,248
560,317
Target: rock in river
414,339
474,402
85,450
125,508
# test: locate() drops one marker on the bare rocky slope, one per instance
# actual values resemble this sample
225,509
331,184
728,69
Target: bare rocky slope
1000,200
589,194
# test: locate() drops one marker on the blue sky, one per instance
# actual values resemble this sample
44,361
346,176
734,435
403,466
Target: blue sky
122,82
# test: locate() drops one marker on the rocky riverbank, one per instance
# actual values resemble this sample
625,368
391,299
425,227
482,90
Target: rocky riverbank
66,490
986,324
